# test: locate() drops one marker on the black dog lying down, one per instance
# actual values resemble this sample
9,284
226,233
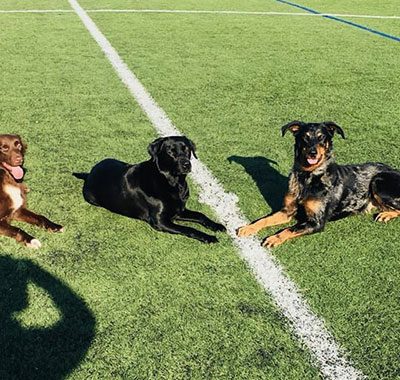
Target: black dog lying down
321,190
154,191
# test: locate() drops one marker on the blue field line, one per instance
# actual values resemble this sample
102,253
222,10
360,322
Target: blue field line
341,20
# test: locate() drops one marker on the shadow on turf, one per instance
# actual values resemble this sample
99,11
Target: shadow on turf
271,183
40,353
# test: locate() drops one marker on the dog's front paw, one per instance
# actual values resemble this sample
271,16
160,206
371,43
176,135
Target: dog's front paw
217,227
54,227
34,244
272,241
385,216
246,231
210,239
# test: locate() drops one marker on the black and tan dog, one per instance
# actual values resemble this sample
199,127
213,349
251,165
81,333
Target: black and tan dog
321,190
154,191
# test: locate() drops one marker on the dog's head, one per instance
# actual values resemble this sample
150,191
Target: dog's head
12,150
172,154
313,142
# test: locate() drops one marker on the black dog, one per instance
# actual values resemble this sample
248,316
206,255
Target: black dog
154,191
320,190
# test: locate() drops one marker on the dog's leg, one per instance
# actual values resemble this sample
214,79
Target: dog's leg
19,235
172,228
385,188
291,233
28,216
283,216
198,217
316,217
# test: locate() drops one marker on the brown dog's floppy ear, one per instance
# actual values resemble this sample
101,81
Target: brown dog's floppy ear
333,127
192,146
294,127
155,147
24,146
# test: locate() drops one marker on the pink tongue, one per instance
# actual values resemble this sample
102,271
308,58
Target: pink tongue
312,161
16,171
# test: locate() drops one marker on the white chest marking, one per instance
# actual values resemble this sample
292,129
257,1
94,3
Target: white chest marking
15,194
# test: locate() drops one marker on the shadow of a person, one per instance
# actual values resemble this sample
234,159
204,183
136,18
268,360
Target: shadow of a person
271,183
40,353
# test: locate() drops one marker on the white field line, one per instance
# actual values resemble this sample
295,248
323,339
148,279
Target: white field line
201,12
268,272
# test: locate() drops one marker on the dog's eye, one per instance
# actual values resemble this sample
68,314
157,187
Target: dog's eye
320,137
5,148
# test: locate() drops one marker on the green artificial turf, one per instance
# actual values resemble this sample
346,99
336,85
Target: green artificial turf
367,7
230,84
221,5
388,26
33,4
111,298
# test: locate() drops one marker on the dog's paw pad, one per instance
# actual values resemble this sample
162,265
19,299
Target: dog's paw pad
34,244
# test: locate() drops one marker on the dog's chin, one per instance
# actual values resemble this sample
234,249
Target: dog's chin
184,172
312,161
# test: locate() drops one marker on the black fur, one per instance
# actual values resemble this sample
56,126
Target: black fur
154,191
321,190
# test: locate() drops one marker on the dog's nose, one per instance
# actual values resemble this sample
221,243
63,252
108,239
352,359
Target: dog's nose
186,165
312,151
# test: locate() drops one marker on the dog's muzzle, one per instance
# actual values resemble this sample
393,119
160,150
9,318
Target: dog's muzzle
185,166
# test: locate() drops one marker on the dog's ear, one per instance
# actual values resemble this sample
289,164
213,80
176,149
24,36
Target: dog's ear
333,127
155,147
294,127
24,145
192,146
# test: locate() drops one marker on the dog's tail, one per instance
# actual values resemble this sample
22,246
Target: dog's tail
81,175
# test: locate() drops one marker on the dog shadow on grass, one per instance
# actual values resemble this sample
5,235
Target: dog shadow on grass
37,352
272,184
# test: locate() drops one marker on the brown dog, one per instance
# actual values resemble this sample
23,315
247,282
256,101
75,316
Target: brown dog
12,193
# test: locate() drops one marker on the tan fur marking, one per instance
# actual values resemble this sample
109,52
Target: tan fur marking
312,206
15,195
279,217
370,208
379,204
385,216
321,156
281,237
283,216
294,128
